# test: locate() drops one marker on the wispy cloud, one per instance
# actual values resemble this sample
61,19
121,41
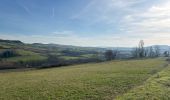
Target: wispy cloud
53,12
125,22
66,33
155,20
106,11
26,8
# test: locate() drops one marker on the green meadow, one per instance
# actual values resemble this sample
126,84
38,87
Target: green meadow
122,80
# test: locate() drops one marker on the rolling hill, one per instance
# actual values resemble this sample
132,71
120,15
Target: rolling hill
44,55
39,55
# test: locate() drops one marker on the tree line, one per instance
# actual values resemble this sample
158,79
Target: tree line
141,51
138,52
8,53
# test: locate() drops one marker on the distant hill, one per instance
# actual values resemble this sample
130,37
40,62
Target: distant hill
10,41
163,48
38,54
44,55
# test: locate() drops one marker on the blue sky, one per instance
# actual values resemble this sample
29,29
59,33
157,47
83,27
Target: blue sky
103,23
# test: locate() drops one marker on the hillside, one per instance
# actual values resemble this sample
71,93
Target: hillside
98,81
16,54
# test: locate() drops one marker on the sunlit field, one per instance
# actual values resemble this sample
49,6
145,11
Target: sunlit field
104,81
155,88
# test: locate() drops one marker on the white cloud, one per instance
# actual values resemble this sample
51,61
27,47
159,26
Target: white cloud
66,33
156,17
151,23
105,11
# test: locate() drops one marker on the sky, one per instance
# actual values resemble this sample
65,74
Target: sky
95,23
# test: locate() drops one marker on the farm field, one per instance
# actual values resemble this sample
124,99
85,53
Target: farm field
95,81
84,50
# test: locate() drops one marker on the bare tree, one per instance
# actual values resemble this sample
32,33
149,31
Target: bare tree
151,52
157,51
146,52
134,53
141,49
166,53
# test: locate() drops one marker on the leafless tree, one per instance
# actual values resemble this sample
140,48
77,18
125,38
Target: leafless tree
146,52
166,53
141,49
157,51
134,52
151,52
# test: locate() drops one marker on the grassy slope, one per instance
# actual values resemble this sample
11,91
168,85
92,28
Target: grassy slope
30,52
87,81
26,56
155,88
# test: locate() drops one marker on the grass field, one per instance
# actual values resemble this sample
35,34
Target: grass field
155,88
100,81
69,57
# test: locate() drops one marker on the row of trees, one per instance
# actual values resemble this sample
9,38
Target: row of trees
8,53
140,51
